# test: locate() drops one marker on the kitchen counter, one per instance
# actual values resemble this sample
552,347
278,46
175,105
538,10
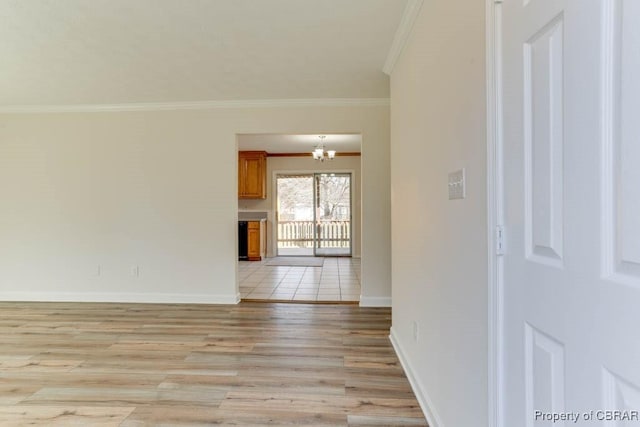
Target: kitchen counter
252,215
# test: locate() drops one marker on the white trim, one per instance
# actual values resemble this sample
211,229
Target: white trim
198,105
403,32
495,213
375,301
426,404
121,297
608,88
608,134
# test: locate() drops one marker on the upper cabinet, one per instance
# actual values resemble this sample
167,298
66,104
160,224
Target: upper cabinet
252,174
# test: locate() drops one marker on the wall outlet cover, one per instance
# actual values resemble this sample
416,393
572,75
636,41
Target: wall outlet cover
457,184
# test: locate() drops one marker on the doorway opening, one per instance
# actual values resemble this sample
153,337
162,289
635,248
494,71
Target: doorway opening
312,238
313,214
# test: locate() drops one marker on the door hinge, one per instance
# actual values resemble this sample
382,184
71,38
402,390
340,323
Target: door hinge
499,240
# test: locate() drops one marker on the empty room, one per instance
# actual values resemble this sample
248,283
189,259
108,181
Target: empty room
319,212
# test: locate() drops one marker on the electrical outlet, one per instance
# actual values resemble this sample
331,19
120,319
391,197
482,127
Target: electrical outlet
415,331
457,185
135,271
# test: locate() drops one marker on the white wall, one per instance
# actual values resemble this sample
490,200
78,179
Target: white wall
307,164
439,267
157,190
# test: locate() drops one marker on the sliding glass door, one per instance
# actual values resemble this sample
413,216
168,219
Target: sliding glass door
314,214
333,214
295,213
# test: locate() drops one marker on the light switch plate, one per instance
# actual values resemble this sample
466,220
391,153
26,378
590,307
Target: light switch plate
456,185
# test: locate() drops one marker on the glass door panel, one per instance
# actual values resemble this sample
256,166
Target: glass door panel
333,214
295,226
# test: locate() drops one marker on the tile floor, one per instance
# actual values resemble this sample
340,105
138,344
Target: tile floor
337,280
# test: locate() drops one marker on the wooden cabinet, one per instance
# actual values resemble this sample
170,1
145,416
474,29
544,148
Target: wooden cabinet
253,241
256,237
252,175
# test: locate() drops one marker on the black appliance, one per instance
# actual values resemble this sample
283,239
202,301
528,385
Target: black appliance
243,246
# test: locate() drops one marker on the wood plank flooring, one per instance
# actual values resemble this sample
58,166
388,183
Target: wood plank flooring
256,364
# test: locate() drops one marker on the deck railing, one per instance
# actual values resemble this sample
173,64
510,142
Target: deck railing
299,234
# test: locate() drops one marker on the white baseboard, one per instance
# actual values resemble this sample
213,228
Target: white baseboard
433,419
120,297
375,301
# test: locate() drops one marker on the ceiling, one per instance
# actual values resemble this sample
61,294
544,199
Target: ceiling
65,52
271,143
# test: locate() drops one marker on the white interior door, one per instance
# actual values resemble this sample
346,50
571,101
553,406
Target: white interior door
571,102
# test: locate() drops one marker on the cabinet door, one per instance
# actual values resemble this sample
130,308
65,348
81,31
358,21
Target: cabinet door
252,175
253,238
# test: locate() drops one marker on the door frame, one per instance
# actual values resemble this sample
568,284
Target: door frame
274,204
495,213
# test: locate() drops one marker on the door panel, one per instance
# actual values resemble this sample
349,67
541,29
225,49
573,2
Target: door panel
295,225
254,180
333,214
543,139
253,239
571,96
624,173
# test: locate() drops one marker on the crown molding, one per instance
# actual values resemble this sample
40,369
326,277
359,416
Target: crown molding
338,154
198,105
402,34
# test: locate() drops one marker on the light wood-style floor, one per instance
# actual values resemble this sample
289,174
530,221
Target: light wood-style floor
158,364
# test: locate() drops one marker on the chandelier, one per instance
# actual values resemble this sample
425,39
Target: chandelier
319,152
